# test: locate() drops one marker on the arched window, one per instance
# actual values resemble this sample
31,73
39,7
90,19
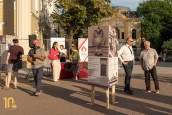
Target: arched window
122,35
134,33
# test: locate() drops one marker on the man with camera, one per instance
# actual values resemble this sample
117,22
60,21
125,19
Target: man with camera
36,57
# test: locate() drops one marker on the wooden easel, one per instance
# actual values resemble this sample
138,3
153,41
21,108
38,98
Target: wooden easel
107,95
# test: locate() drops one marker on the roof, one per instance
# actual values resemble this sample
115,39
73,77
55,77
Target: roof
121,8
126,11
130,14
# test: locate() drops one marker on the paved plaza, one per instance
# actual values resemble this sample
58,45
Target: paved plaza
70,97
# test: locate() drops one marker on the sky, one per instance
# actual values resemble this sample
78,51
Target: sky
132,4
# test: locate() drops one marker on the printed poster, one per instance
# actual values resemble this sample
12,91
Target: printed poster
83,49
102,56
61,41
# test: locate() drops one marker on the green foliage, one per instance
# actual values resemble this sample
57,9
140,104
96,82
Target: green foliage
167,47
156,21
79,14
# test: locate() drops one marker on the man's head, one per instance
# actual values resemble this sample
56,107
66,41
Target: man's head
147,45
36,43
15,41
129,41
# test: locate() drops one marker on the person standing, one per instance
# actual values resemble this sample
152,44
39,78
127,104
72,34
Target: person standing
75,58
36,57
54,57
126,56
164,57
15,53
148,60
63,54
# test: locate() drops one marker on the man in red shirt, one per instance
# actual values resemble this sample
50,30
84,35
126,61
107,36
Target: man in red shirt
14,53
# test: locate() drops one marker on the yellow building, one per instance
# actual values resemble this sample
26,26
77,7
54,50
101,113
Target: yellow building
1,17
127,24
23,18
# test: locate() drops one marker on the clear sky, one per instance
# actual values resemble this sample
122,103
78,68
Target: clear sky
132,4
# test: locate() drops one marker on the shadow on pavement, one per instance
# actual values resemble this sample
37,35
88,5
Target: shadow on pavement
124,102
131,104
65,94
161,78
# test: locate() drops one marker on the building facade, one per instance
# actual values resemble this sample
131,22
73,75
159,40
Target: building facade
127,23
22,18
1,17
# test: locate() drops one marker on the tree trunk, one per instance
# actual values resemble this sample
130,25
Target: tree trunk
70,40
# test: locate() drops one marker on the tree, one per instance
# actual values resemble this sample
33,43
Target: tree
79,14
167,47
156,21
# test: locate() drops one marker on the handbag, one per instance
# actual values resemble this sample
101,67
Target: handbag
19,63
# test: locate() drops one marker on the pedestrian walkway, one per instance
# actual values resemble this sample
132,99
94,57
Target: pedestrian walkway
70,97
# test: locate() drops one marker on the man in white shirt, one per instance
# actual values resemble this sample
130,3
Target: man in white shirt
126,55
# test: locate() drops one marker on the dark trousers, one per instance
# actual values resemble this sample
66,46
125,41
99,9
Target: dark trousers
153,73
37,74
128,71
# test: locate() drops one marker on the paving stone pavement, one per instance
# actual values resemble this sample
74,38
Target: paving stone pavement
70,97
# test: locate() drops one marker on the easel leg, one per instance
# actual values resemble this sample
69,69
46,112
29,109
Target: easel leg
107,98
92,94
113,94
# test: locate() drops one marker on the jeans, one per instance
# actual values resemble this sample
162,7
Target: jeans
37,74
153,73
128,71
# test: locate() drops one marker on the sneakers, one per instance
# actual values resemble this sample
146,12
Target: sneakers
148,91
157,91
37,93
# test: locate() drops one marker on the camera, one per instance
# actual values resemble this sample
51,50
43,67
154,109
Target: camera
33,51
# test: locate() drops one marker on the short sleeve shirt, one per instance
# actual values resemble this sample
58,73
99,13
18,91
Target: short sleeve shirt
15,53
40,52
148,57
63,52
126,53
75,56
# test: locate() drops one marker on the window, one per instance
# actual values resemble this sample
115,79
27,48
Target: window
122,35
134,33
118,34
